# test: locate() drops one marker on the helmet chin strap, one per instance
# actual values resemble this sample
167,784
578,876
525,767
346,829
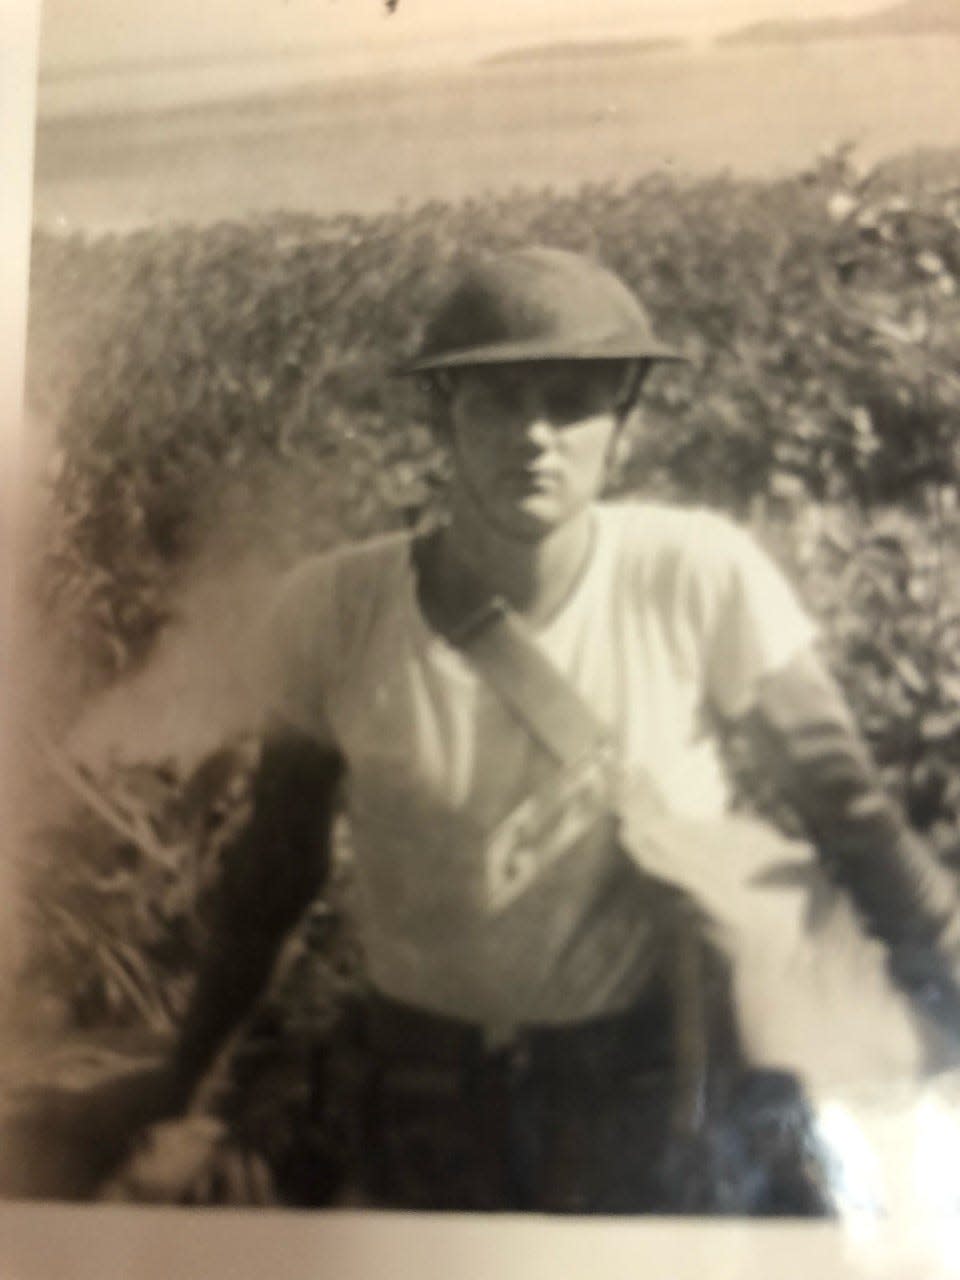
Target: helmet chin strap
616,452
627,402
635,376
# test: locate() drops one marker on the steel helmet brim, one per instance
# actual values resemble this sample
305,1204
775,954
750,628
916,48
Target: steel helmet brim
536,304
538,351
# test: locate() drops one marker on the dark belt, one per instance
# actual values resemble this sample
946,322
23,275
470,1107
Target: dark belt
638,1038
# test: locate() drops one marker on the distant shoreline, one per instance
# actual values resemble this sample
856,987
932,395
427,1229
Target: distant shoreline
567,50
904,19
266,97
304,80
824,32
363,146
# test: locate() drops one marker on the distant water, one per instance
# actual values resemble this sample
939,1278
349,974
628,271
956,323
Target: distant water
157,86
269,138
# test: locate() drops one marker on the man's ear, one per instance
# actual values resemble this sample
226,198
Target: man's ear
438,382
437,390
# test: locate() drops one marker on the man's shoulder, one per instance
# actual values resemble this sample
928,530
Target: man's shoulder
346,563
332,597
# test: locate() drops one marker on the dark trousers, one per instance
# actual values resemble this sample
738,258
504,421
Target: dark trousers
582,1119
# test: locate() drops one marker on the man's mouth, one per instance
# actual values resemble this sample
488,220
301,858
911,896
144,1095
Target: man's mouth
533,475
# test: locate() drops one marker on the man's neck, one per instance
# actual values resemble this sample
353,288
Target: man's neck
534,575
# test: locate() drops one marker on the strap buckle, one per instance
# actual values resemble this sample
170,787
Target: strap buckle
487,611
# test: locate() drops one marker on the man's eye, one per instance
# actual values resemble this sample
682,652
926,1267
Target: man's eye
569,402
507,395
491,397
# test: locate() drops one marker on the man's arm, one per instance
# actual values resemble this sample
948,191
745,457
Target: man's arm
67,1142
272,872
903,894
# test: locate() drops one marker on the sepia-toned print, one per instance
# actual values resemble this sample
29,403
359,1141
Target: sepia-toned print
488,700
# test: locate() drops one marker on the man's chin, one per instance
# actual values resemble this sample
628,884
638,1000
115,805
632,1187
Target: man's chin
525,517
531,519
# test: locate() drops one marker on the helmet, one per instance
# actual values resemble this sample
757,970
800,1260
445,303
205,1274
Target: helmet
536,304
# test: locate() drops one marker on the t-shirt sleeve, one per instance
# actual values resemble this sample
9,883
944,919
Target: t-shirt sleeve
295,659
752,621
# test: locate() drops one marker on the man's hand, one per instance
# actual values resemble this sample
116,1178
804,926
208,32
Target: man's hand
191,1161
929,974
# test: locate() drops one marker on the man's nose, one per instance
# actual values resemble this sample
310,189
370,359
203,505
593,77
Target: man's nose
537,429
535,423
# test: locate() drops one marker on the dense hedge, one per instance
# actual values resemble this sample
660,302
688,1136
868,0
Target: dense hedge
232,382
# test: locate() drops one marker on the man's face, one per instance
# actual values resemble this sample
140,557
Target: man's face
531,441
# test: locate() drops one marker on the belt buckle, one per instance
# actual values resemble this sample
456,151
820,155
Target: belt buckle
510,1042
500,1037
508,1038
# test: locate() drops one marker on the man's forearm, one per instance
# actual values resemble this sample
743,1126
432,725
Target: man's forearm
274,870
903,893
234,972
904,896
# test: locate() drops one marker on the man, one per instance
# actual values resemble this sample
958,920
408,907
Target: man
537,1038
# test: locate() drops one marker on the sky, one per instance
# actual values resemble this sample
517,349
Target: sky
90,33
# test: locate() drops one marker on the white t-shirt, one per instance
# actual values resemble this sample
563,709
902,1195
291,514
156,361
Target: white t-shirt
469,906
